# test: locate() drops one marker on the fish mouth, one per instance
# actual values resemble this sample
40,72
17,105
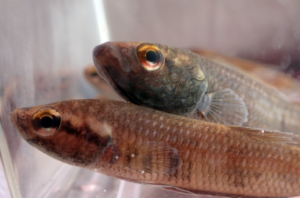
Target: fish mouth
111,82
121,92
14,118
108,58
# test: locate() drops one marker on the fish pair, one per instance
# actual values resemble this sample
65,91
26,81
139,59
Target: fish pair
144,145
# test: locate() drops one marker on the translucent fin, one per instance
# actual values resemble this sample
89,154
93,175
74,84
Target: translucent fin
270,136
179,190
197,115
224,107
197,194
151,157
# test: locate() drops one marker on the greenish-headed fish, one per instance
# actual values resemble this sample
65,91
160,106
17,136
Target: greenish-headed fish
181,82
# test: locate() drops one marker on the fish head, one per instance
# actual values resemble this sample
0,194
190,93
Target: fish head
69,131
152,75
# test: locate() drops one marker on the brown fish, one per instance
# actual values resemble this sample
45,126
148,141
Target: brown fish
143,145
181,82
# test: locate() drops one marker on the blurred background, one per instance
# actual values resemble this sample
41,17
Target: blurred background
45,46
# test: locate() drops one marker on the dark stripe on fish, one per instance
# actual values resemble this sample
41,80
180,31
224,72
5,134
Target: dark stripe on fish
89,135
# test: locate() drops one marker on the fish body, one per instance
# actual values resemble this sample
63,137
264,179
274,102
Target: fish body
143,145
267,74
181,82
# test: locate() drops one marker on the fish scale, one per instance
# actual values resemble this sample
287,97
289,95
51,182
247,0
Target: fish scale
234,178
267,108
148,146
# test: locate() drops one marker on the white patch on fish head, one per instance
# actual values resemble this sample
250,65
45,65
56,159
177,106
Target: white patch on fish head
181,58
106,130
102,128
177,61
75,121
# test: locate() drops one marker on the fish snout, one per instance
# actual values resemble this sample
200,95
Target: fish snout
21,120
108,57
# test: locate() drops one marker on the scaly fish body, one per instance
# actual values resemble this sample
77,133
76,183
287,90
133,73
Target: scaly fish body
148,146
181,82
267,74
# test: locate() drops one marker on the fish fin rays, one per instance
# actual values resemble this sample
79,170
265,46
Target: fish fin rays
152,157
197,193
224,107
179,190
270,136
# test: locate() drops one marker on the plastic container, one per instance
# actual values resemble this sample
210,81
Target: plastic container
46,44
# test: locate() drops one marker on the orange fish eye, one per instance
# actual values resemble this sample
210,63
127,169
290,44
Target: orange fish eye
150,57
93,72
46,121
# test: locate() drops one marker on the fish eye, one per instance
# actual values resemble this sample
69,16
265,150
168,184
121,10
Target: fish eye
94,74
150,57
46,121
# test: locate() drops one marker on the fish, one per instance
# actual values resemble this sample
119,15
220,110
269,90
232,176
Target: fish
105,91
143,145
181,82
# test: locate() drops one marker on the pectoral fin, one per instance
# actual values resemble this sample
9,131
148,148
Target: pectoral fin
224,107
195,193
179,190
